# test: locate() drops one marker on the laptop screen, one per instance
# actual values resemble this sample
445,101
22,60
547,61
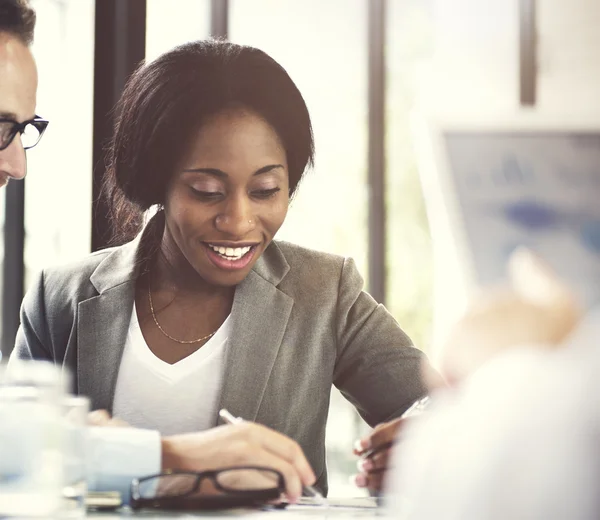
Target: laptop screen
534,188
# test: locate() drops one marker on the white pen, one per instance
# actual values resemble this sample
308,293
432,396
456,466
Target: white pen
418,407
232,419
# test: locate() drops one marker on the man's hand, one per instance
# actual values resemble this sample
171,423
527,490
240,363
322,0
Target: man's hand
244,444
375,450
537,309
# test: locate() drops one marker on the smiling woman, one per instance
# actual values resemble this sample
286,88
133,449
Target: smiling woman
201,308
230,198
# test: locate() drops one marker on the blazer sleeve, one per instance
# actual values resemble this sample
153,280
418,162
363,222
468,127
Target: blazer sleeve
377,368
32,337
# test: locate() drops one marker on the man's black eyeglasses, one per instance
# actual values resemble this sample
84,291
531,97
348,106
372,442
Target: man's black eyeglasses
240,486
31,131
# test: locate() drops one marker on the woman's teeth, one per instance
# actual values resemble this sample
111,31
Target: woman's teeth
230,253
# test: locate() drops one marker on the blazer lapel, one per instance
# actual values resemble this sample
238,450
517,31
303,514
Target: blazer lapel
259,315
103,323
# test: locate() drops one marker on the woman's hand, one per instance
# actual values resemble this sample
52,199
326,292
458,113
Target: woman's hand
375,451
244,444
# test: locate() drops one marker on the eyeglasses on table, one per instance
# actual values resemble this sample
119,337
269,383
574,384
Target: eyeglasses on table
240,486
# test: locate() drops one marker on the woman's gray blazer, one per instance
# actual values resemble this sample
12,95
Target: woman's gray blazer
300,322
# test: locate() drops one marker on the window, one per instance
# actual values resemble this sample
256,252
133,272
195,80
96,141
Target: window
409,259
173,22
59,183
325,52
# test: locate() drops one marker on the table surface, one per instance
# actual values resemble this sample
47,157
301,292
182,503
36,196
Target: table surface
336,509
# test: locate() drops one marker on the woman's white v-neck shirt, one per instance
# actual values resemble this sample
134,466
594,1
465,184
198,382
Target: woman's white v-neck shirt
177,398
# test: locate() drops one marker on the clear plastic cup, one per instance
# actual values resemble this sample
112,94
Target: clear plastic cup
75,410
31,433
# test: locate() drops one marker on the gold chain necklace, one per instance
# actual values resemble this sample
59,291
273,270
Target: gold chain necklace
165,333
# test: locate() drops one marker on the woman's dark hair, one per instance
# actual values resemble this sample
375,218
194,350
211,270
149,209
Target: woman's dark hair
18,19
165,102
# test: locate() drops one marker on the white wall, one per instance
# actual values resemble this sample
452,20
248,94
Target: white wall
569,55
475,61
59,182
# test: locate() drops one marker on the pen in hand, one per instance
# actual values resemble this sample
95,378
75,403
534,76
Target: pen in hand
232,419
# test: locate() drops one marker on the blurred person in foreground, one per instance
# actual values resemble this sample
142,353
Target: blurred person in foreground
517,435
117,455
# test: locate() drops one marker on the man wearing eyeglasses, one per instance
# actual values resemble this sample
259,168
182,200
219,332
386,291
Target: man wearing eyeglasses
117,455
20,128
